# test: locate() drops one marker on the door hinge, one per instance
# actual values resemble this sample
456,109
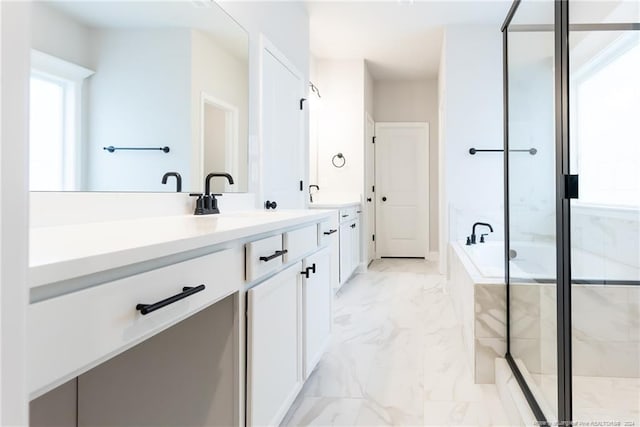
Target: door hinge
301,102
301,186
571,186
373,237
373,140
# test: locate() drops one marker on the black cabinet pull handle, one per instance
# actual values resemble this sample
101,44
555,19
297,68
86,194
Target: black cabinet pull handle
344,216
305,273
353,226
275,255
186,292
329,232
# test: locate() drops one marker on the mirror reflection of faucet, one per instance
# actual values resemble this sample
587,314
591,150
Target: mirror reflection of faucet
178,180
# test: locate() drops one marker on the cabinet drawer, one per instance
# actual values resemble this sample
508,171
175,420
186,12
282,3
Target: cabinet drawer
72,333
263,257
348,214
300,242
327,232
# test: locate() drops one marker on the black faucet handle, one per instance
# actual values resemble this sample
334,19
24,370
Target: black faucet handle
199,210
468,241
482,237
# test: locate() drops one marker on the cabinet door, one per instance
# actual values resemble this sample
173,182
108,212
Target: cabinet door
274,368
345,252
316,312
355,245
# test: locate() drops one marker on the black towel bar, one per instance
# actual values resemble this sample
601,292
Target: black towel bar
531,151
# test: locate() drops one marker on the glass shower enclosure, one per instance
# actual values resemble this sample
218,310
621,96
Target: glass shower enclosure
572,208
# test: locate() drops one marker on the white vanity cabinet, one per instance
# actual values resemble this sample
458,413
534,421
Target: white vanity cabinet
274,346
349,243
316,300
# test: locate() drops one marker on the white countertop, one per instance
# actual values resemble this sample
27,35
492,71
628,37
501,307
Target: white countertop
333,205
65,252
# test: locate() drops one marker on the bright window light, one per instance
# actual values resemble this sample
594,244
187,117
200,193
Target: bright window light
606,136
47,134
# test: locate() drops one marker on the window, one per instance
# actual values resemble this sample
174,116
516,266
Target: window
55,123
606,126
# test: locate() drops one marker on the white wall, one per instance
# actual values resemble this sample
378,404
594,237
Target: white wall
220,74
57,34
414,101
471,116
14,93
342,85
139,62
286,25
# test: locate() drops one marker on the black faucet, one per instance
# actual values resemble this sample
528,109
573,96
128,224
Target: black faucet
207,180
310,193
207,204
178,180
472,239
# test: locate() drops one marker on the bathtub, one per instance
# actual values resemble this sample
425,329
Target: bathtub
536,262
605,295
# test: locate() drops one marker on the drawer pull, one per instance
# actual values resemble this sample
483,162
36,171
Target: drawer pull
330,232
344,216
305,273
353,226
186,291
275,255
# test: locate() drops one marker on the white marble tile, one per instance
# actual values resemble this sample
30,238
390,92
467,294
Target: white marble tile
490,311
455,414
487,350
342,372
397,348
373,414
324,411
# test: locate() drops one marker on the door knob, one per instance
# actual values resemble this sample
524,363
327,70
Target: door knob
368,199
384,199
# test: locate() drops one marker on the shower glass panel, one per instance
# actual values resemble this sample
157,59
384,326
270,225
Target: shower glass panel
604,142
531,201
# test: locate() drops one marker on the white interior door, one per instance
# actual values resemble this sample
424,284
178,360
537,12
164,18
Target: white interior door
370,181
402,189
281,124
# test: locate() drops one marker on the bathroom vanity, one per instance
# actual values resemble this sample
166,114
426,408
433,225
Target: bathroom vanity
144,321
347,239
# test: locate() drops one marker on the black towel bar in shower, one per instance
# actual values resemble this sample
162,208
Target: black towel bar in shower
111,148
531,151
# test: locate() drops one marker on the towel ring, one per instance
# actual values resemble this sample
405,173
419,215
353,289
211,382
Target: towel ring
338,156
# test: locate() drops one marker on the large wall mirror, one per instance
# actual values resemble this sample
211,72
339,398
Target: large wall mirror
124,92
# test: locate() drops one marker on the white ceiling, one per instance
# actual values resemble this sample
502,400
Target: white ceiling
400,39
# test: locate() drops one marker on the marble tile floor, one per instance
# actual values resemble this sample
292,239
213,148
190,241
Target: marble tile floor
396,357
597,399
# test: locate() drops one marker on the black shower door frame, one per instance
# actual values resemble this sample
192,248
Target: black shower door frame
566,189
563,214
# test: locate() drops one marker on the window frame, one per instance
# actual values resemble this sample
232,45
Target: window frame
71,77
617,48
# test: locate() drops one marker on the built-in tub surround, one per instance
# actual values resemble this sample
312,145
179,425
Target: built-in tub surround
606,331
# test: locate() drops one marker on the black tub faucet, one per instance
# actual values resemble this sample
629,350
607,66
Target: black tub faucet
178,180
310,193
472,239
